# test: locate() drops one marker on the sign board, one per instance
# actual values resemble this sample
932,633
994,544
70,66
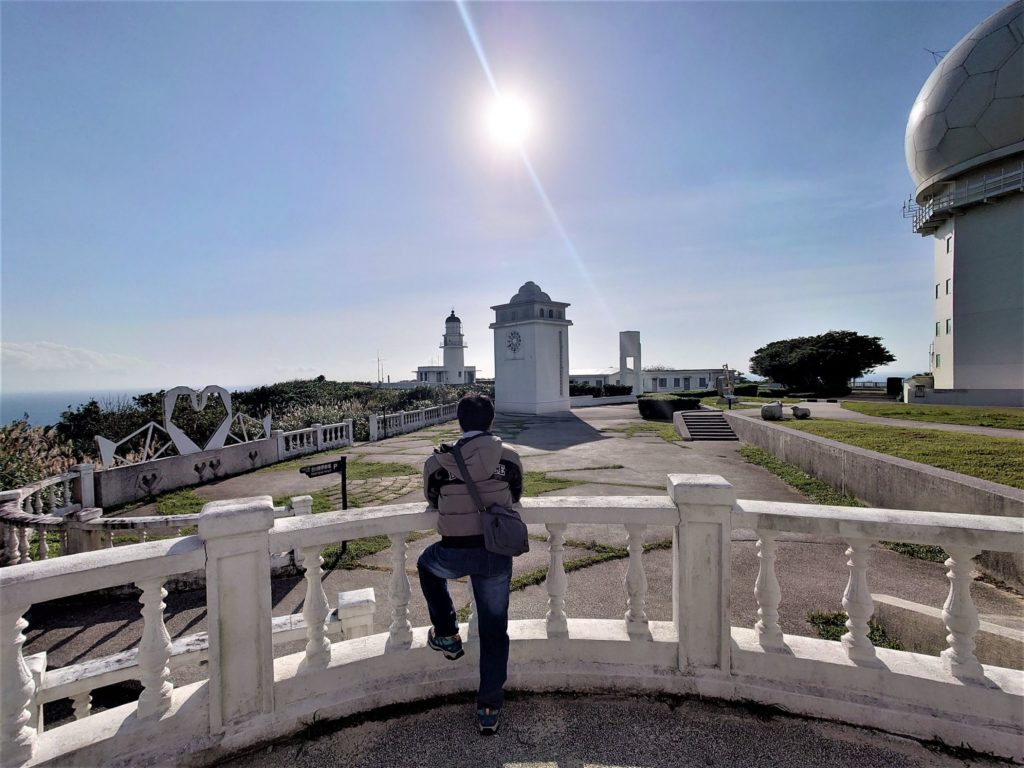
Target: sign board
327,468
330,468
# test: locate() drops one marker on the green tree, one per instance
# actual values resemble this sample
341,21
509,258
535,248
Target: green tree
823,364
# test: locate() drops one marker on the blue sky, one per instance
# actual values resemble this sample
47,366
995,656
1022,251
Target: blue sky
241,193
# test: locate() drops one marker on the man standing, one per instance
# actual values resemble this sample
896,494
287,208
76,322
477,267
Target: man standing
498,475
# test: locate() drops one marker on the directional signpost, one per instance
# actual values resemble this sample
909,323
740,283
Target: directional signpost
329,468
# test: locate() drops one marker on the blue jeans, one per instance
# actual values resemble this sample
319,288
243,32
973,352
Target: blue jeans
490,575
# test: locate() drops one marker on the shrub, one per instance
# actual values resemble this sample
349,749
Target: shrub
617,390
579,390
662,406
746,390
28,454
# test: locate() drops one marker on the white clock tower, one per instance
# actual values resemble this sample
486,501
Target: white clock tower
531,354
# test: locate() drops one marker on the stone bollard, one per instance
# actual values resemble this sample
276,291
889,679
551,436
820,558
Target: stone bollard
801,413
772,411
355,612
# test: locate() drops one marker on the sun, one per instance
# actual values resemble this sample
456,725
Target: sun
509,121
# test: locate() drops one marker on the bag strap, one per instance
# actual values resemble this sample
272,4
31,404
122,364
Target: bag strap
470,483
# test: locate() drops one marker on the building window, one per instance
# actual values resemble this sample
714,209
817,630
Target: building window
676,384
938,328
949,285
662,382
937,286
949,325
949,243
938,361
703,382
560,315
551,313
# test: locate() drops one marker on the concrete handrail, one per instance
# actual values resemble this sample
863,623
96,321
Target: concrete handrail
250,696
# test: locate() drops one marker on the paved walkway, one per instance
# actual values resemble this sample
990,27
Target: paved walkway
590,448
601,732
823,410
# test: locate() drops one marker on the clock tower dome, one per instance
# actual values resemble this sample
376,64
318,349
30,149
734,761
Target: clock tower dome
531,353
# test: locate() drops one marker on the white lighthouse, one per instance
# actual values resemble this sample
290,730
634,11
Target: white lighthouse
531,353
454,370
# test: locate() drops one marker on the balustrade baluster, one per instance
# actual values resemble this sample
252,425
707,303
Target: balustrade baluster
82,702
315,611
961,617
635,583
53,499
154,651
62,542
145,536
110,540
768,594
13,544
44,546
858,604
473,630
23,545
66,486
400,631
17,736
557,583
37,502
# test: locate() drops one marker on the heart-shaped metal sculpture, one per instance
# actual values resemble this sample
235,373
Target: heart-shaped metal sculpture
183,442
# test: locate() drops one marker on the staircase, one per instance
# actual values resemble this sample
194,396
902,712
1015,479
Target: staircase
708,425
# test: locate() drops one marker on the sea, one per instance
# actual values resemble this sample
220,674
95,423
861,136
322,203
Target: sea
45,408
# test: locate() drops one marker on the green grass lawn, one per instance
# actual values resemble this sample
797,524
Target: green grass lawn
999,459
356,467
968,415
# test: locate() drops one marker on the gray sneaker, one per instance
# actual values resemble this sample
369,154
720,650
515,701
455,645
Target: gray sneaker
451,646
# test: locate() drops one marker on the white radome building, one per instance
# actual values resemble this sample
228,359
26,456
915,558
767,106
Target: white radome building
965,151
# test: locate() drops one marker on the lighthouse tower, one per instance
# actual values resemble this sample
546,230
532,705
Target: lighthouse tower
453,346
454,371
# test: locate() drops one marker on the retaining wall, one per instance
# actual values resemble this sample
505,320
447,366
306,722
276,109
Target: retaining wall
121,485
586,401
888,481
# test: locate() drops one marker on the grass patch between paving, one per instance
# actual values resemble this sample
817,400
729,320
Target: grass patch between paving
666,430
967,415
832,626
536,483
997,459
821,492
182,502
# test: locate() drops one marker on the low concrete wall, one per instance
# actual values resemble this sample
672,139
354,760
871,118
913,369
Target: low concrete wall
891,482
586,401
920,629
121,485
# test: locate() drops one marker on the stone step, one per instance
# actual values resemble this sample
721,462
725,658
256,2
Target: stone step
708,425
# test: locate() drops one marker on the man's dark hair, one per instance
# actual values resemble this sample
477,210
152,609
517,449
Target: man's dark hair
475,412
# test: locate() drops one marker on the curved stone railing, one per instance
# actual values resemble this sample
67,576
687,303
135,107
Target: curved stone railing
400,422
65,506
250,696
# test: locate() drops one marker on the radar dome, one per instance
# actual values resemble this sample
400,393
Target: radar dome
971,109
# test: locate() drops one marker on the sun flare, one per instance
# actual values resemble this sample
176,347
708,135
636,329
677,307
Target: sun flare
509,121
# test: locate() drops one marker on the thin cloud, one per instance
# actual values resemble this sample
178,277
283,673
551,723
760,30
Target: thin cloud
47,356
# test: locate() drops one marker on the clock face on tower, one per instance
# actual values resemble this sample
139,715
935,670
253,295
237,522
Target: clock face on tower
513,341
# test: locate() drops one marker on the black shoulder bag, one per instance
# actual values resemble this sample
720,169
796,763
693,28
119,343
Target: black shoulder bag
504,530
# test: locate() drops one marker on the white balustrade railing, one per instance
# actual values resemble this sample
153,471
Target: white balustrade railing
251,696
318,437
400,422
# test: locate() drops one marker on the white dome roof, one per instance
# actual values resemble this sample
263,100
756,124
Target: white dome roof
971,109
